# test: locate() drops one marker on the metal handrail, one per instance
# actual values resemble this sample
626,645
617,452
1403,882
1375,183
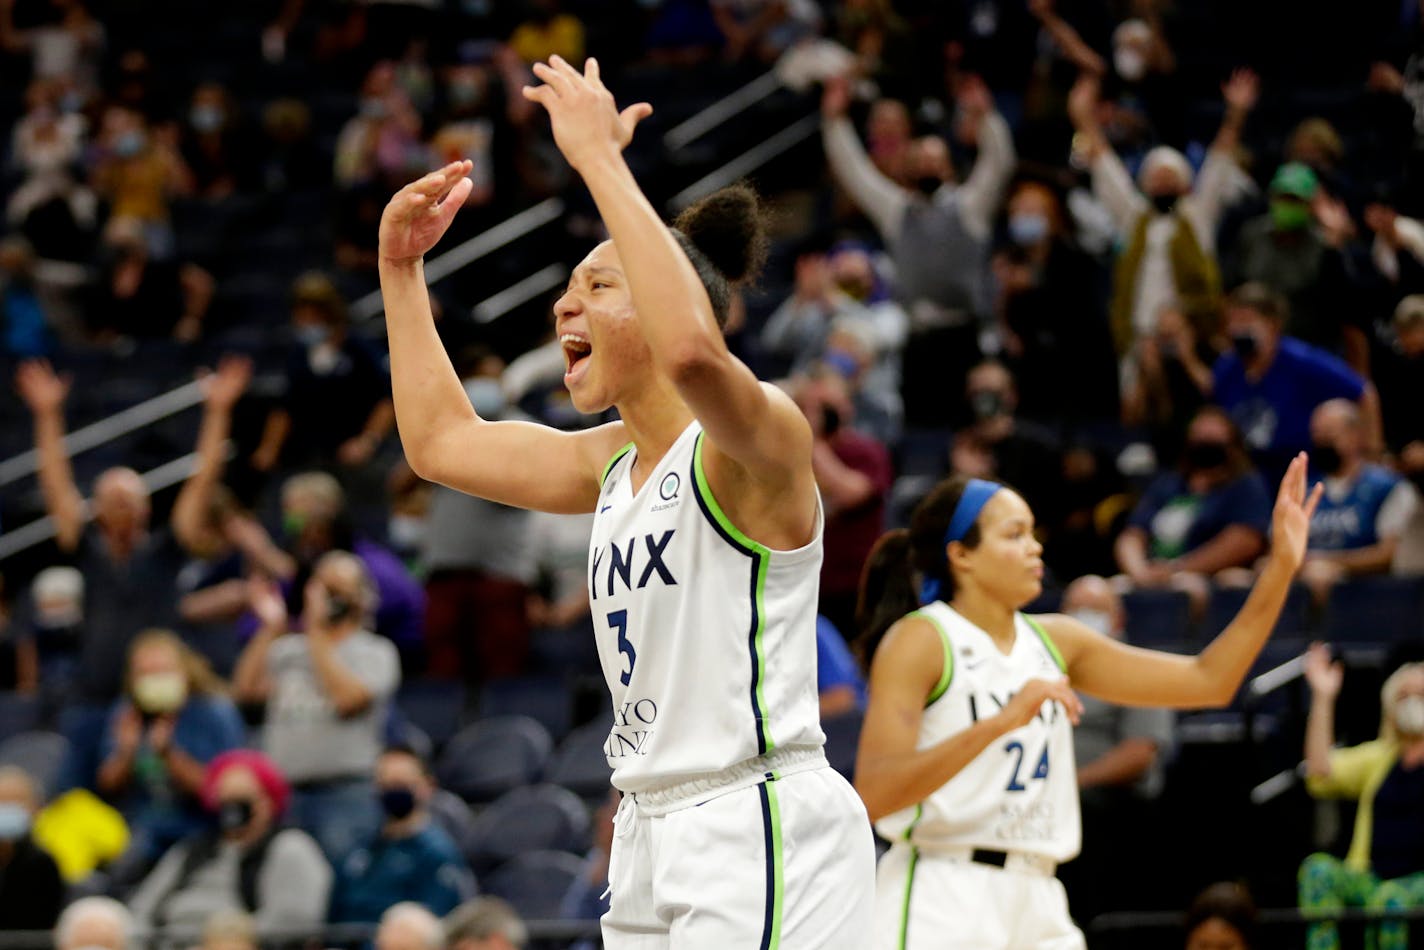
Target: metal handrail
720,111
519,293
748,161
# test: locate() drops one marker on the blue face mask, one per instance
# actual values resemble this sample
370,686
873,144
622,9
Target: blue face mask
842,362
310,336
206,118
14,821
1028,229
486,395
130,144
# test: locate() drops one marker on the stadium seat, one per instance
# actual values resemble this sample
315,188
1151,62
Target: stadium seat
436,707
541,818
535,883
842,739
545,699
453,816
400,731
18,713
1158,618
1375,610
488,758
1226,602
580,765
39,753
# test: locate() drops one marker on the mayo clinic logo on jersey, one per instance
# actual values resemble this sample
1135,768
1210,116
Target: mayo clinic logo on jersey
632,729
668,491
633,564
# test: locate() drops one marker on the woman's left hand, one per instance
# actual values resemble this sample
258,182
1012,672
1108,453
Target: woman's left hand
1290,524
586,121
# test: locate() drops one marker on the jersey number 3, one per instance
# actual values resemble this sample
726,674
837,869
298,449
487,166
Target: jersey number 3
1016,749
618,620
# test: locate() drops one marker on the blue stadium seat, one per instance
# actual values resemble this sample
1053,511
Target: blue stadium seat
453,816
18,713
542,698
842,739
488,758
535,883
541,818
1375,610
1158,618
580,765
39,753
400,731
1049,601
1226,602
436,707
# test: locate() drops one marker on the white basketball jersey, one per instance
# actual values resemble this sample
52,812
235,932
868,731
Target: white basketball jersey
1019,794
707,638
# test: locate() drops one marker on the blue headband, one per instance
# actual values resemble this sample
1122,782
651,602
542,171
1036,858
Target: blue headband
976,495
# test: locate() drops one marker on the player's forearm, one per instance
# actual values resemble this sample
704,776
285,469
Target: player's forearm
888,784
427,395
1224,663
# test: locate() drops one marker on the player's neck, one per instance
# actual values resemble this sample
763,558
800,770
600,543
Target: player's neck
988,614
654,418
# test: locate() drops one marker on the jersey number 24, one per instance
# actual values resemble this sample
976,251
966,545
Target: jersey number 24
1016,749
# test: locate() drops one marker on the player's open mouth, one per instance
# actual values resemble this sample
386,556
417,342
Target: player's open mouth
576,353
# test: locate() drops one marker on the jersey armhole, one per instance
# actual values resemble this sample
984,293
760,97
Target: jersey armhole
1048,643
946,674
617,457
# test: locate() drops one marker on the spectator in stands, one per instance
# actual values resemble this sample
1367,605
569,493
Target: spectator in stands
548,30
763,29
19,657
1171,381
1000,445
1271,383
216,146
1409,554
138,170
486,923
481,568
1384,869
290,160
56,621
1356,528
62,38
249,863
229,930
383,138
1053,318
128,568
337,405
840,685
587,896
1167,221
50,206
1209,514
25,331
1298,250
558,609
1120,754
174,718
409,926
854,475
1397,370
326,693
1222,917
889,133
31,890
410,859
938,237
139,295
94,923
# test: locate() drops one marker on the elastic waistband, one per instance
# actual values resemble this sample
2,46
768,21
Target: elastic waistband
1020,862
777,764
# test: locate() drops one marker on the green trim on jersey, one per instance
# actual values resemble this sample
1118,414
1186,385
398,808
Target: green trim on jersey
946,674
905,907
778,867
614,461
761,556
1047,642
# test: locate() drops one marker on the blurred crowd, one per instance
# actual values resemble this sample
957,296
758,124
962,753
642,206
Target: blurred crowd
1107,251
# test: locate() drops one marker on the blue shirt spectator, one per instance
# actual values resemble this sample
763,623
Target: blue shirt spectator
1179,520
411,859
838,679
1352,512
1271,384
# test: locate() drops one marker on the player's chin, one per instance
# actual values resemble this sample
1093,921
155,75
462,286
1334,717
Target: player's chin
1028,592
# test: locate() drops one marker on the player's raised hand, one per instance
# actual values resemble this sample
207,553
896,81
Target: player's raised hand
417,217
1029,700
586,121
1290,523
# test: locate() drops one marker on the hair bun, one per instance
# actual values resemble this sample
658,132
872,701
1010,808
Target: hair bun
729,228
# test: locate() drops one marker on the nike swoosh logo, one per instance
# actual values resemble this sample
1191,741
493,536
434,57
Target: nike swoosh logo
605,508
975,666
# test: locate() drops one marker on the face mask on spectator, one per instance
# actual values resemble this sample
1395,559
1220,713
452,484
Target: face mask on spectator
1206,454
234,815
1245,344
1163,203
1409,715
160,693
407,532
1098,620
1028,229
398,801
129,144
206,118
14,821
1326,457
311,335
465,94
374,107
987,404
928,184
486,395
1130,64
842,362
1289,215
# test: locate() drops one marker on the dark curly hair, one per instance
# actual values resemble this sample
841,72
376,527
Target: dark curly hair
724,235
